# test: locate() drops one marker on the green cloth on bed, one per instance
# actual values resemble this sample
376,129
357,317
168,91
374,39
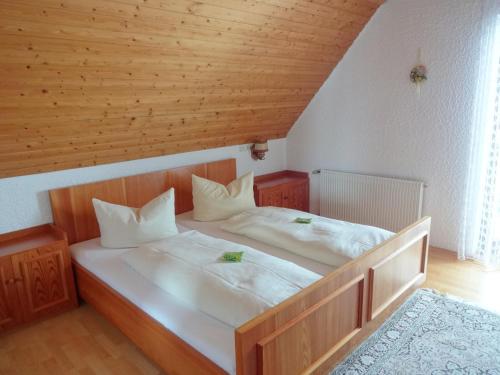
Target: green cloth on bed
303,220
232,256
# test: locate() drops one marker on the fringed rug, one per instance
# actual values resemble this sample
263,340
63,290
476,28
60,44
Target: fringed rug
430,334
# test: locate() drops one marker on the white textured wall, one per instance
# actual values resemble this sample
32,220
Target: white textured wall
24,200
368,118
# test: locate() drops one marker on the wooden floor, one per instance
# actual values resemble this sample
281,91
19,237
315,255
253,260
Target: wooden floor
82,342
467,280
78,342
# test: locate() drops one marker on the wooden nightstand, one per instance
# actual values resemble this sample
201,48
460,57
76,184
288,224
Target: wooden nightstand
36,278
288,189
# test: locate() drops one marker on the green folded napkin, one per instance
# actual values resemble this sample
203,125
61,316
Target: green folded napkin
232,256
303,220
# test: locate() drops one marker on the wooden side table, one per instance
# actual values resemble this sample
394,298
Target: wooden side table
36,277
288,189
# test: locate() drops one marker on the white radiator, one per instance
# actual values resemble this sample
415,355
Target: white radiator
387,203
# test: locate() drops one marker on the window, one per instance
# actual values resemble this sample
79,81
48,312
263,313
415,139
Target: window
489,233
481,228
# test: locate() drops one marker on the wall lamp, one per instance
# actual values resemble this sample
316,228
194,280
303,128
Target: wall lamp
259,150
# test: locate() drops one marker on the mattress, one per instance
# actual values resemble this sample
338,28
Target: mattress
209,336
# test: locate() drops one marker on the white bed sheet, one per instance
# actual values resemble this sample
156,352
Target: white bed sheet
209,336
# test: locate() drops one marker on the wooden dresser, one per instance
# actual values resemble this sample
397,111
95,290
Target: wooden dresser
36,277
283,189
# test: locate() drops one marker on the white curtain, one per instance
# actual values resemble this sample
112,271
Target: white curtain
481,224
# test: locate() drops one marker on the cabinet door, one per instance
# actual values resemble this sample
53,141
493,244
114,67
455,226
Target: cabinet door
46,280
10,311
297,197
272,197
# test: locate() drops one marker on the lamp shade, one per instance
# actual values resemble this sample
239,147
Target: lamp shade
261,146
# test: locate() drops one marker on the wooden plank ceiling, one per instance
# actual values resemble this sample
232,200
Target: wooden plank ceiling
86,82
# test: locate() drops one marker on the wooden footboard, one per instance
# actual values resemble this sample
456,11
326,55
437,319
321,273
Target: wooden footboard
309,329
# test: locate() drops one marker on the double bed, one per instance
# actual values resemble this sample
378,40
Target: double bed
209,336
303,334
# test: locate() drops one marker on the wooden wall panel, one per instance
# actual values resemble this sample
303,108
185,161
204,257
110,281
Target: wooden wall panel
98,81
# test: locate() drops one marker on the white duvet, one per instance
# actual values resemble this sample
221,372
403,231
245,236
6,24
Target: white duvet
325,240
189,266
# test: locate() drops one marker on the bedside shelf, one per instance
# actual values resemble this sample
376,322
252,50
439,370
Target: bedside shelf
288,189
36,275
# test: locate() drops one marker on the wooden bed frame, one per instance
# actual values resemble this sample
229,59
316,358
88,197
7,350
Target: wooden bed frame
306,333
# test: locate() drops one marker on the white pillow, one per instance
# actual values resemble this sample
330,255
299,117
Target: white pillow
214,201
123,226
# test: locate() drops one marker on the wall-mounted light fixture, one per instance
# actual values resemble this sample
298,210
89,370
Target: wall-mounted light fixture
259,150
418,74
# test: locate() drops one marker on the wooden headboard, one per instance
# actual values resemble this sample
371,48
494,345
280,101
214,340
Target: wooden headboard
72,206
